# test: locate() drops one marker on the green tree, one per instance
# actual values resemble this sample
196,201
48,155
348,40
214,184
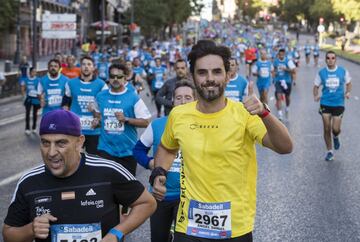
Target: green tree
349,8
8,14
155,16
294,10
251,7
322,9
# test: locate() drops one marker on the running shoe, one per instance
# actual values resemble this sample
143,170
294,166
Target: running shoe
287,112
336,143
27,132
329,156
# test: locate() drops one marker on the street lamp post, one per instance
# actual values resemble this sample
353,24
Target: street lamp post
18,36
34,37
102,24
131,22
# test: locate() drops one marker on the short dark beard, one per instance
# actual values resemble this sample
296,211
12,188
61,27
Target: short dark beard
211,96
53,75
86,75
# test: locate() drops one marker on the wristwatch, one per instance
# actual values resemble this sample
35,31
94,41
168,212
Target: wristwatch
265,112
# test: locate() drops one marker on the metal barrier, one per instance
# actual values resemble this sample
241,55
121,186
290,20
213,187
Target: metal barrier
11,85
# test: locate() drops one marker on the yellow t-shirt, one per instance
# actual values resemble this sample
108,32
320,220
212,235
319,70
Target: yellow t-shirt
219,169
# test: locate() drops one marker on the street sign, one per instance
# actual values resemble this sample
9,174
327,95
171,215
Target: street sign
59,26
321,28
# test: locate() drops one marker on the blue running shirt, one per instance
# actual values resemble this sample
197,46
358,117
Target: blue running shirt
236,88
83,94
117,138
53,90
333,85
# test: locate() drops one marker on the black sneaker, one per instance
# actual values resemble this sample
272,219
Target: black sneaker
336,143
329,156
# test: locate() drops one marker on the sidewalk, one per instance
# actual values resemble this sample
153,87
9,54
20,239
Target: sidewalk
41,64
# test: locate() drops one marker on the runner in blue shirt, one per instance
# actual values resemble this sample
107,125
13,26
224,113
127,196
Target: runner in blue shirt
237,86
159,77
29,92
336,86
263,70
161,220
103,69
120,112
284,69
96,56
316,53
307,49
134,81
51,87
80,96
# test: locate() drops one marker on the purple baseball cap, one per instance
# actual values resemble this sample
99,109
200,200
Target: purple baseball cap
60,121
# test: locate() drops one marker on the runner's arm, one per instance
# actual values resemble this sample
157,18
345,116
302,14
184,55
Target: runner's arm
39,228
277,137
163,161
140,153
164,157
161,96
18,234
141,210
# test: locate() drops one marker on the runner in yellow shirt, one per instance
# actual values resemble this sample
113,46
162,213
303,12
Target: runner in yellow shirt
217,137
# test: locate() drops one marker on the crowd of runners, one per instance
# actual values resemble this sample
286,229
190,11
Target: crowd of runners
202,140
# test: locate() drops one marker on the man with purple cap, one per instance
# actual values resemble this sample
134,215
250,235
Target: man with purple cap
72,195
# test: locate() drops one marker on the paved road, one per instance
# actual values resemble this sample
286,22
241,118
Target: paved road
300,196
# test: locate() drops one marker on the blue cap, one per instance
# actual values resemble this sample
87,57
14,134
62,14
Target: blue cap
60,121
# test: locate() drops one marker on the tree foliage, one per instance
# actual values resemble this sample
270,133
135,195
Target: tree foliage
349,8
311,10
8,14
251,7
322,9
154,16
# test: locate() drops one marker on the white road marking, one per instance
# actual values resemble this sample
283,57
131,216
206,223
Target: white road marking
12,119
16,118
14,177
10,179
